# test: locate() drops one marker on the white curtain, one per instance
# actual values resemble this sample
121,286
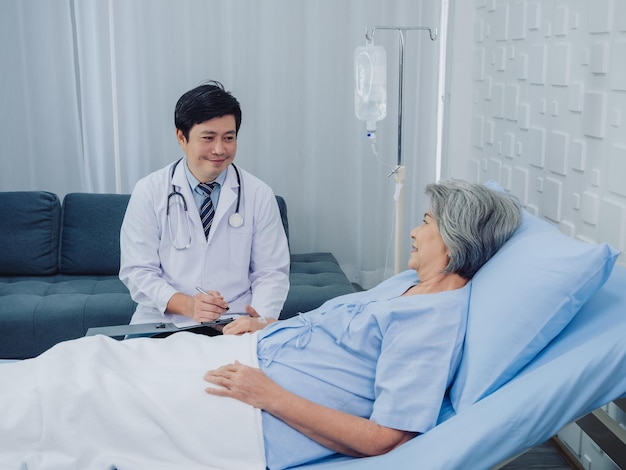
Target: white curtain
89,87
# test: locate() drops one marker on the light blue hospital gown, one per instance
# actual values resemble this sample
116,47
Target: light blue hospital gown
372,354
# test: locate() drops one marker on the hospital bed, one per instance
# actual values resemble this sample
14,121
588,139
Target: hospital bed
570,368
545,345
582,369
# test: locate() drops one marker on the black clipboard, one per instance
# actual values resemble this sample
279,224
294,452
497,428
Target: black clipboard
159,330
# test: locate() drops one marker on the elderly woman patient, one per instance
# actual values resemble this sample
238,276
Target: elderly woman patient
360,375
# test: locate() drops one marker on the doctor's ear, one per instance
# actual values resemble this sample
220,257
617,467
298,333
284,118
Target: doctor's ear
180,136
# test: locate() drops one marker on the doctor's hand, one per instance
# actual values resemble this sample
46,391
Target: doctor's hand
249,324
208,307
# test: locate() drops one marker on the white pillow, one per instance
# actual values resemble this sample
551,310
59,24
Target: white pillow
521,299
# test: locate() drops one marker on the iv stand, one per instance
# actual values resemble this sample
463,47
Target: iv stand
400,171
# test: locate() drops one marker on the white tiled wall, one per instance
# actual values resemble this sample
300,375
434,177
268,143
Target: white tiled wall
536,99
546,108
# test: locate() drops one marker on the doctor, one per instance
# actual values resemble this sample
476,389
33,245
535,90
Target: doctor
238,257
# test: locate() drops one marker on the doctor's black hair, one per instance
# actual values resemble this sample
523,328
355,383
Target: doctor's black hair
207,101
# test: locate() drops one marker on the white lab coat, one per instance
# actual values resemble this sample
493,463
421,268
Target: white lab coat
249,263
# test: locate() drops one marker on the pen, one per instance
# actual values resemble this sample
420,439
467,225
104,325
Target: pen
202,291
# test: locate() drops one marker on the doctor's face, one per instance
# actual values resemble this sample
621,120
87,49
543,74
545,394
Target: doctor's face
211,147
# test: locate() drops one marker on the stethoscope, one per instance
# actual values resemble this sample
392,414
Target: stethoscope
235,220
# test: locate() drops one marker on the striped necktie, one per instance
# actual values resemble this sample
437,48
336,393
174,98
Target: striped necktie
207,211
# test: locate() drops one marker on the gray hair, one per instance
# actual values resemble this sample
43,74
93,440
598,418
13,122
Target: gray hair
474,222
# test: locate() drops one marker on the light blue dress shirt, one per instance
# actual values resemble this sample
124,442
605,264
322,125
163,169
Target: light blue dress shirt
198,195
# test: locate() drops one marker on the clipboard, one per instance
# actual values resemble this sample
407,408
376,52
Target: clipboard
159,330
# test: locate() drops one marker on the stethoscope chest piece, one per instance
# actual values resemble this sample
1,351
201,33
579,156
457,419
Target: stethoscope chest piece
235,220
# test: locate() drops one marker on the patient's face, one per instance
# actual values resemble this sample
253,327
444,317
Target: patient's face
429,254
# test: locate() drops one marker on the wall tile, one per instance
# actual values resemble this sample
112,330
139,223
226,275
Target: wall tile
550,84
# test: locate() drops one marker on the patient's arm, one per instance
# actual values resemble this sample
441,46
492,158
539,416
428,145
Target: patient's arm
339,431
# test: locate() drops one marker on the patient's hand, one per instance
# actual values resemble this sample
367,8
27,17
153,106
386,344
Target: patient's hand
244,383
249,324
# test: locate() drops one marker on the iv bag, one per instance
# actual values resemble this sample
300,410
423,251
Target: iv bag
370,91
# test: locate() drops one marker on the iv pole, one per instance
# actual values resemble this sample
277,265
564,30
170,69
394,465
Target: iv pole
400,171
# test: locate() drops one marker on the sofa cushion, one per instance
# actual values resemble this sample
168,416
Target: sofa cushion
90,233
314,278
30,232
38,312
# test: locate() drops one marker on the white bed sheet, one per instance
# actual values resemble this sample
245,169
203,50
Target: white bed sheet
581,370
108,406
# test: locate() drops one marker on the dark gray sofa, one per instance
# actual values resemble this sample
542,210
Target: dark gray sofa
59,266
